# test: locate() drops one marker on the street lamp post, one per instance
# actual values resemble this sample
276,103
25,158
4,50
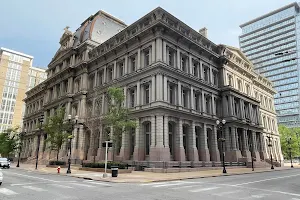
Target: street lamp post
220,125
289,141
270,146
20,146
41,120
70,140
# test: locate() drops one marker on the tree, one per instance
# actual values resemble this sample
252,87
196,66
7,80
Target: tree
117,116
57,131
9,141
285,134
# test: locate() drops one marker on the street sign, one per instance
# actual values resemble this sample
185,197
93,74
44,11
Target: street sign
109,144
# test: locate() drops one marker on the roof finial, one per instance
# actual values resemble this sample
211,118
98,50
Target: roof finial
67,27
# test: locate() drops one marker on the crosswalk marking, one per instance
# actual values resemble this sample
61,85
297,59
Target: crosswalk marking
34,188
226,193
7,191
170,184
61,186
97,183
159,183
182,187
203,189
83,185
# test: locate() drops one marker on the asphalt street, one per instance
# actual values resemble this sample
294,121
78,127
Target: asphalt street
25,185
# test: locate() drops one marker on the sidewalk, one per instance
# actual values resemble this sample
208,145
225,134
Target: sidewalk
144,177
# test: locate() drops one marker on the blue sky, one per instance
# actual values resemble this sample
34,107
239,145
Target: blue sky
35,26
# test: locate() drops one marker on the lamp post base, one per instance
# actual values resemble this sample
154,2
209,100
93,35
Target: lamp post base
224,171
272,167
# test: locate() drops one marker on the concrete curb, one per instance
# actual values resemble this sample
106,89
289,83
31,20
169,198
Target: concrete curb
161,180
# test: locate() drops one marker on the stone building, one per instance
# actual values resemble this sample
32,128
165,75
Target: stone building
177,83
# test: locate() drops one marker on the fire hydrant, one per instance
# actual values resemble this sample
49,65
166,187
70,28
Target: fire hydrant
58,169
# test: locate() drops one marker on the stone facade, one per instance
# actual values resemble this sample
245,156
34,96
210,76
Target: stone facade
177,83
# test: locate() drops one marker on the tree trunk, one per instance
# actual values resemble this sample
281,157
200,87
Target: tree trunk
57,155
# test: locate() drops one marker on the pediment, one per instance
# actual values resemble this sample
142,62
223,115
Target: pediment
238,53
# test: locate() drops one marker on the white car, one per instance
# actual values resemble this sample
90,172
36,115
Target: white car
1,177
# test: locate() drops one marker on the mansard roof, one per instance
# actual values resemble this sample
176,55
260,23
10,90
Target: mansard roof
156,16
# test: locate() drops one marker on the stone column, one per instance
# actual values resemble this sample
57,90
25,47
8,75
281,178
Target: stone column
234,154
83,106
179,94
201,70
245,150
158,49
192,99
41,152
165,92
203,151
179,149
138,93
203,103
105,74
230,105
178,58
224,106
125,147
84,81
214,146
164,51
81,142
255,152
192,149
190,64
227,137
211,74
91,149
126,64
213,105
159,89
153,89
139,150
115,70
138,65
162,150
242,111
263,150
153,52
154,137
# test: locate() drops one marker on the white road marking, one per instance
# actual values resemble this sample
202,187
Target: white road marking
7,192
266,180
256,196
34,188
203,189
37,183
159,183
83,185
61,186
271,191
182,187
96,183
34,177
171,184
226,193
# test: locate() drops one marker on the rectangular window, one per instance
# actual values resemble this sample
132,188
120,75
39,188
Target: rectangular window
132,98
197,104
121,69
184,63
147,57
195,68
132,64
206,73
172,94
171,57
185,98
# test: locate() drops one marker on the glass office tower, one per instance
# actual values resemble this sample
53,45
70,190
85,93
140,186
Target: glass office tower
272,43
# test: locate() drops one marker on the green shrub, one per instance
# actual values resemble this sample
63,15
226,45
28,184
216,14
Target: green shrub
102,165
55,162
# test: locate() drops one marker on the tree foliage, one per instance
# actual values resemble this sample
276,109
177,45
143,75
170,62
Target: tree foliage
117,116
285,134
9,141
57,131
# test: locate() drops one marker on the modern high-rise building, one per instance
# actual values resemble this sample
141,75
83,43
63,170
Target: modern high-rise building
272,43
16,77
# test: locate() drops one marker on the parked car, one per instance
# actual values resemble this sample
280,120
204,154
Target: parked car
4,163
1,177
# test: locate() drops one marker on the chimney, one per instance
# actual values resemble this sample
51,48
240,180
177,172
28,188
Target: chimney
203,31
